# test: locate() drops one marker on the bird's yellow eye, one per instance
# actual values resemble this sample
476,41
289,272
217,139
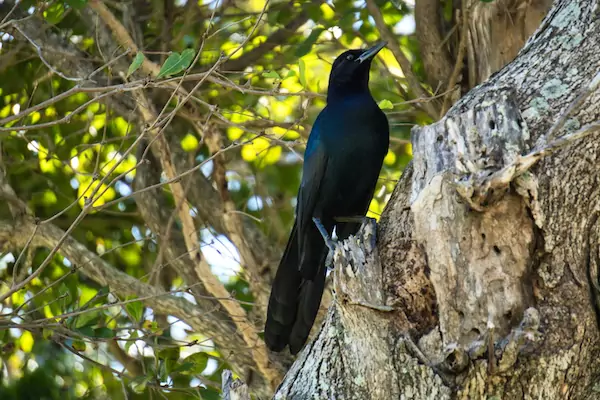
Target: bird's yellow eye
349,57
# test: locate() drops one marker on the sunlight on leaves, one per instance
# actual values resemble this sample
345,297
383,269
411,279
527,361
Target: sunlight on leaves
385,104
26,341
374,210
87,187
390,158
189,143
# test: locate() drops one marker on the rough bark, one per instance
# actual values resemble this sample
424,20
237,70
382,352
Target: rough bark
492,292
496,31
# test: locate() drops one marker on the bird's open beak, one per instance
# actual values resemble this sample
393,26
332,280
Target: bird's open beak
370,53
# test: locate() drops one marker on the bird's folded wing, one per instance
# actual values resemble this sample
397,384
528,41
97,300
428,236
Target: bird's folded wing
315,164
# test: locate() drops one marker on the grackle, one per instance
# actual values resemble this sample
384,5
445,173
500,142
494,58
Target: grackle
342,161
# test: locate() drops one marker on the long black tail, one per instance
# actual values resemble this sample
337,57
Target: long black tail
294,301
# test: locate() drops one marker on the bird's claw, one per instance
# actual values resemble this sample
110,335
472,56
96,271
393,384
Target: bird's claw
331,245
329,260
368,228
329,242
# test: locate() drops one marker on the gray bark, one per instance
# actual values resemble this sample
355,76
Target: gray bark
480,290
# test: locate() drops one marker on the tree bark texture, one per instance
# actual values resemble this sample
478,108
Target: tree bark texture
479,291
495,32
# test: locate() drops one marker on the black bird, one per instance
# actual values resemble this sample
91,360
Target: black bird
342,161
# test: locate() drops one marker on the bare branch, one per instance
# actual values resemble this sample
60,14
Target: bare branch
234,225
279,37
214,287
435,57
458,66
415,86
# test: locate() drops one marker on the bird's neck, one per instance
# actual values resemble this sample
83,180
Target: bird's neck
348,94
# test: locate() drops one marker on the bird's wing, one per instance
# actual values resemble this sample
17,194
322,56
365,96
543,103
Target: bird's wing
315,164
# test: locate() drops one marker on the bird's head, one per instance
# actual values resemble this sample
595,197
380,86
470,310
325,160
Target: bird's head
350,70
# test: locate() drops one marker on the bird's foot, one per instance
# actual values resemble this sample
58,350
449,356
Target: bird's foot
326,237
329,260
331,244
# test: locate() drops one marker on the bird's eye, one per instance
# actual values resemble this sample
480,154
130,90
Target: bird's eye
349,57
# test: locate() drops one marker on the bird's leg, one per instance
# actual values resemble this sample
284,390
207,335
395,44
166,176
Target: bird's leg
328,241
326,237
363,220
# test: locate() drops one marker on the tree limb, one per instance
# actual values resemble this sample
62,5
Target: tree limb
415,86
277,38
436,59
210,281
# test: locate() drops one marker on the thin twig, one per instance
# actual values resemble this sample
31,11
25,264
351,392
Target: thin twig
413,81
38,49
246,329
462,48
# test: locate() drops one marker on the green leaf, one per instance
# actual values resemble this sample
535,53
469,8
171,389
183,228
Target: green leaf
138,385
130,341
169,353
65,293
199,361
385,104
77,4
99,298
136,310
176,63
169,359
136,63
87,319
290,73
313,10
185,368
79,345
163,371
86,331
4,334
55,13
271,74
187,56
447,10
302,70
272,17
152,326
305,47
104,333
170,65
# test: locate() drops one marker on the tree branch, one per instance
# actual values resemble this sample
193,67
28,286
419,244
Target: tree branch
279,37
435,57
211,283
415,86
458,66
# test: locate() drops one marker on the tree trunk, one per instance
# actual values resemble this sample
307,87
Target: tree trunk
484,279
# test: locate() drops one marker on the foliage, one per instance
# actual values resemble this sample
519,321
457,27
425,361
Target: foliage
71,335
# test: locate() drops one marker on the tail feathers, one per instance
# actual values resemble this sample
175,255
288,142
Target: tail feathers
309,301
281,312
294,302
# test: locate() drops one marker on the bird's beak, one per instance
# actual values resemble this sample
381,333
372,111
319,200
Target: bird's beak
370,53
